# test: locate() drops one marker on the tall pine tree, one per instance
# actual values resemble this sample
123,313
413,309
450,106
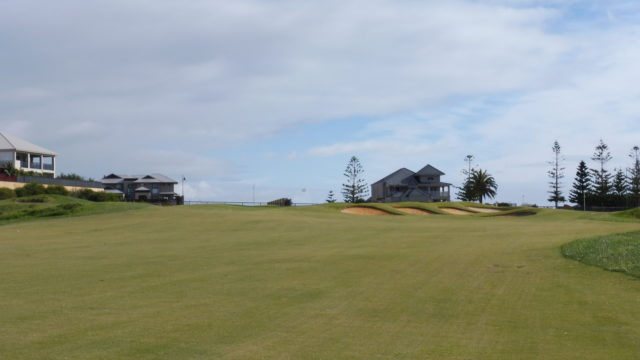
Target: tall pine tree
355,189
601,177
581,186
556,174
634,176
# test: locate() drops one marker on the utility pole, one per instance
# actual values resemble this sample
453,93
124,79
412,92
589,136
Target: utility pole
253,188
469,159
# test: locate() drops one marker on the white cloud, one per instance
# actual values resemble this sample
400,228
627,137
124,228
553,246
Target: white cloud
165,86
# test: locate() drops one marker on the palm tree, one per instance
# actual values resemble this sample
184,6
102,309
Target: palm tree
483,184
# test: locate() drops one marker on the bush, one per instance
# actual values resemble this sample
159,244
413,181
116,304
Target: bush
6,193
57,190
97,196
30,189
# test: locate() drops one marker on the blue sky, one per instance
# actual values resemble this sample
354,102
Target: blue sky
280,94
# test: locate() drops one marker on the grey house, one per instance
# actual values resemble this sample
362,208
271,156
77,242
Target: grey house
406,185
26,156
153,187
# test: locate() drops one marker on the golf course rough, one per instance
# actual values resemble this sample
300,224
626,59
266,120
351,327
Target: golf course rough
227,282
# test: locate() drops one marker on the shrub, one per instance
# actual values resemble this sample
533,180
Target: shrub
30,189
57,190
97,196
6,193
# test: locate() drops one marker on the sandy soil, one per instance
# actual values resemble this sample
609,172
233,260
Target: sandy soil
453,211
364,211
414,211
484,210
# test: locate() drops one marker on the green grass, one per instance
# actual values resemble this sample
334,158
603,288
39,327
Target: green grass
225,282
43,206
618,252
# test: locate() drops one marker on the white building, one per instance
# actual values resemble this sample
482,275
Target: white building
26,156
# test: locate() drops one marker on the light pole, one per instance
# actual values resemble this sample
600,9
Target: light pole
469,159
183,179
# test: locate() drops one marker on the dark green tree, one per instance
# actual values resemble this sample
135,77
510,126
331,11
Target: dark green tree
619,185
355,190
331,198
465,192
634,176
619,188
581,187
482,185
601,177
556,174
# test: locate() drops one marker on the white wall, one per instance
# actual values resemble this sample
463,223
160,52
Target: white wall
6,156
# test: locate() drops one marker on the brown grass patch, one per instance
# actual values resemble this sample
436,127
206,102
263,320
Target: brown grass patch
484,210
454,211
414,211
356,210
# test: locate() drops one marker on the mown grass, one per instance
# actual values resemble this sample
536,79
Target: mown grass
617,252
224,282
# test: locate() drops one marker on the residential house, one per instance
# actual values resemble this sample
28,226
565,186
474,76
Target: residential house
26,156
152,188
406,185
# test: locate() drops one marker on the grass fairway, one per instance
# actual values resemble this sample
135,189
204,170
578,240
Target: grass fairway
222,282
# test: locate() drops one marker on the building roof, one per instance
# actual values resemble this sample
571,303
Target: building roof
139,179
12,143
396,177
155,178
142,189
429,171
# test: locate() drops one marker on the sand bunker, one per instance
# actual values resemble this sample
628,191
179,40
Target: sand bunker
453,211
414,211
364,211
484,210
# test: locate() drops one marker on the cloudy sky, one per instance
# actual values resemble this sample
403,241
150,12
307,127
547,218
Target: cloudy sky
279,94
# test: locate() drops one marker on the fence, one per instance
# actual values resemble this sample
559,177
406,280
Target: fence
63,182
239,203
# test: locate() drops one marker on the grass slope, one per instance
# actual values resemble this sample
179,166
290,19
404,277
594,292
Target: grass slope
223,282
43,206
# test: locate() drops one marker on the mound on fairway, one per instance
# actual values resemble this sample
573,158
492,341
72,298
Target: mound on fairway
618,252
414,211
361,210
454,211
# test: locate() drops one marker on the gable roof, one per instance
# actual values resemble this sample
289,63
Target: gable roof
429,171
155,178
396,177
12,143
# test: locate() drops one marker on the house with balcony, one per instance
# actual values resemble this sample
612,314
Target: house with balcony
152,187
406,185
26,156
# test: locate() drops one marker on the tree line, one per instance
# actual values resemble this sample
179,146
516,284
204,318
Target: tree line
598,187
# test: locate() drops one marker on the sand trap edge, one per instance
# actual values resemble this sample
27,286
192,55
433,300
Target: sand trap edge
414,211
457,212
362,210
